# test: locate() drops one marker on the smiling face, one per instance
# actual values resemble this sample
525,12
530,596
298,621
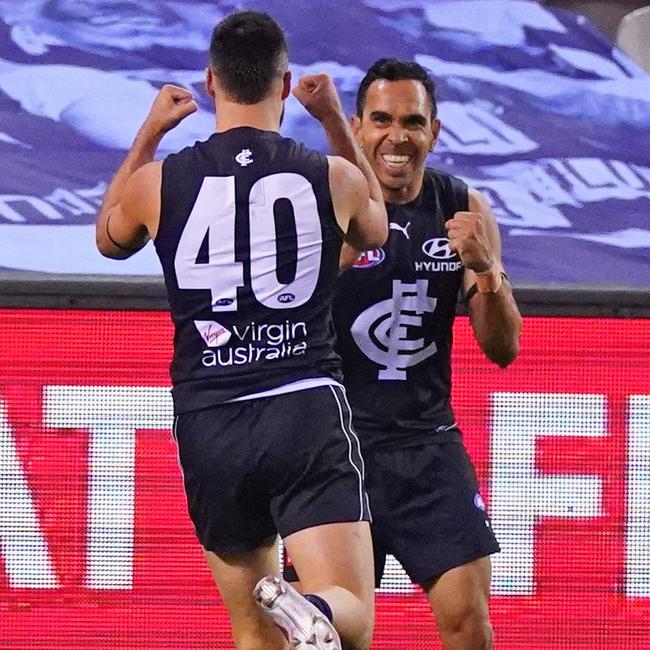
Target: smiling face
396,132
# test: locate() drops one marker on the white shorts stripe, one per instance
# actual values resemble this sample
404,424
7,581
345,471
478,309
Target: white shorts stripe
353,433
347,435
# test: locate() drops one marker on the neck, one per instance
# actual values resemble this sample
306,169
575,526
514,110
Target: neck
403,193
264,115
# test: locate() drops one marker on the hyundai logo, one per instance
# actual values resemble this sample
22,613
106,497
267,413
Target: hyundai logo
438,248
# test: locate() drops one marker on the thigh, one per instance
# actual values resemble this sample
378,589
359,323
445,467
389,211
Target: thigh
427,510
290,574
462,590
335,554
236,575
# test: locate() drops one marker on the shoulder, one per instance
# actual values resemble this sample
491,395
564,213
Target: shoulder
301,151
478,202
343,171
443,180
191,150
451,190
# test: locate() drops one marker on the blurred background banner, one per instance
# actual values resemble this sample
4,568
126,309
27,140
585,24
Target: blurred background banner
539,111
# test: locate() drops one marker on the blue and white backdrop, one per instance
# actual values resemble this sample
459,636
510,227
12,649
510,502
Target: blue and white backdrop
539,111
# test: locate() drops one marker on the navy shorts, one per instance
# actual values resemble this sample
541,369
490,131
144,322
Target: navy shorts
259,467
427,510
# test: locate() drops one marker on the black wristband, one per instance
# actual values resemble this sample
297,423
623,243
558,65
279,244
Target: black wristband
126,249
473,290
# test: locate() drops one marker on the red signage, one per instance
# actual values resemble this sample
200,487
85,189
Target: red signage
96,549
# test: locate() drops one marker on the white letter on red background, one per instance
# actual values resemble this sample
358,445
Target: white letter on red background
520,495
638,502
111,414
22,543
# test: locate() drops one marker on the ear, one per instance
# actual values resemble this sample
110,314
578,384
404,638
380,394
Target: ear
286,84
210,81
435,131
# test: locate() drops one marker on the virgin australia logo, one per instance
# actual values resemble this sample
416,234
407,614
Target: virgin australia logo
214,334
382,331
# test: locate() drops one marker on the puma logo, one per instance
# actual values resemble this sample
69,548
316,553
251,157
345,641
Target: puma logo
403,229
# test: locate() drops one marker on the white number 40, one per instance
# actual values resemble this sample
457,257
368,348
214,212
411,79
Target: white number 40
214,214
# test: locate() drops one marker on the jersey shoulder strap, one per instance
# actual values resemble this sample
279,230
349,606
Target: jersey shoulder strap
453,193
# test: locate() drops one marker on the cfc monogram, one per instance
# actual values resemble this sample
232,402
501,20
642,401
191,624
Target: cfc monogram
244,157
381,331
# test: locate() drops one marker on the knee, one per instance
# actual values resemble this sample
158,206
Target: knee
469,627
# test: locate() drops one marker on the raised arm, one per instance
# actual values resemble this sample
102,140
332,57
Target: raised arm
493,313
356,194
131,207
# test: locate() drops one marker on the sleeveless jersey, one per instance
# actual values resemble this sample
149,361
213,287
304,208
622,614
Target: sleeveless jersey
249,247
394,313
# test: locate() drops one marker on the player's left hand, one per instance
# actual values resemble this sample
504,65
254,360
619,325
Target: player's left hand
469,239
317,93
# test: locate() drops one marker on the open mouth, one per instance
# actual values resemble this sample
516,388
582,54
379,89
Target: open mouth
394,161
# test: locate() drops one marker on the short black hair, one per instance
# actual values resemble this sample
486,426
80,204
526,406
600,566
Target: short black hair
396,70
248,50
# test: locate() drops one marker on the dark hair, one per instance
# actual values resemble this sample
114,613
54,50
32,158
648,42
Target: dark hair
396,70
248,51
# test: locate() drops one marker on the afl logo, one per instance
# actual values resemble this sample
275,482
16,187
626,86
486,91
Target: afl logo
286,297
370,258
223,302
438,248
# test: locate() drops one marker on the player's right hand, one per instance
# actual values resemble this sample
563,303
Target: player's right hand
172,105
317,93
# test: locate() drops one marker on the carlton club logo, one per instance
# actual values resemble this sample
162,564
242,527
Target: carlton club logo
382,331
244,157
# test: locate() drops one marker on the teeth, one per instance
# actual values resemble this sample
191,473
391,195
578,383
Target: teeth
395,161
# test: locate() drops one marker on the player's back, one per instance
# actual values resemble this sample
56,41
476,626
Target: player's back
249,246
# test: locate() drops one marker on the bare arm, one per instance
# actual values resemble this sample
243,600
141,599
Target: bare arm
360,211
365,230
493,313
130,210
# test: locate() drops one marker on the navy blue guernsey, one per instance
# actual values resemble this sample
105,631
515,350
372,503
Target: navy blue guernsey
394,313
249,246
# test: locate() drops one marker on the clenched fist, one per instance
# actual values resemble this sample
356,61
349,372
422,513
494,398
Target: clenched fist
172,105
317,93
469,239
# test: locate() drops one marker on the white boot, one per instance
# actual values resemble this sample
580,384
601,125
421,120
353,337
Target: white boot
307,628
